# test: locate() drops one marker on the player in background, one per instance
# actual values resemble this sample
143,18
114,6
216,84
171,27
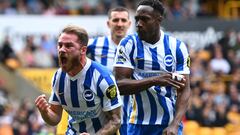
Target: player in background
83,88
103,50
146,66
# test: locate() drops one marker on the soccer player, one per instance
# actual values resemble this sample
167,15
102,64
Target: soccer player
103,49
146,65
83,88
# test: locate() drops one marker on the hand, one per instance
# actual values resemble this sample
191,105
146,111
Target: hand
84,133
170,130
169,80
41,103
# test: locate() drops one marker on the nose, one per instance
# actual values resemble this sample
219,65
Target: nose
61,49
119,23
138,24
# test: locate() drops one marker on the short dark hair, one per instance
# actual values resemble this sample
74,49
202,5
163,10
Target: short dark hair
80,32
117,9
155,4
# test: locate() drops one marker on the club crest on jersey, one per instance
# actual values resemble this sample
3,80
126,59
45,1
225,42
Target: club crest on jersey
111,92
88,95
168,60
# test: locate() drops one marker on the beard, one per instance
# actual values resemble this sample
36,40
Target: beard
68,63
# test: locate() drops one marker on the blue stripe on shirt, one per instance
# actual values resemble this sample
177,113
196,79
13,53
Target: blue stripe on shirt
82,127
180,58
61,88
153,116
91,49
99,91
96,124
167,51
55,98
74,93
105,52
140,109
140,53
155,64
166,115
54,79
87,84
125,109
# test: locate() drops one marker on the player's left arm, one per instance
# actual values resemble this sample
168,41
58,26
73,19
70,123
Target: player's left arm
183,94
182,102
113,124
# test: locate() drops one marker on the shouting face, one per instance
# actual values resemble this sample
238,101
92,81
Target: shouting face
69,51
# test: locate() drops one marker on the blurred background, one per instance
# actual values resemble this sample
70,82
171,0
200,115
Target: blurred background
28,57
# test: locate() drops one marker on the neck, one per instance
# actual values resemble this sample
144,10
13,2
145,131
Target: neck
116,40
78,68
153,38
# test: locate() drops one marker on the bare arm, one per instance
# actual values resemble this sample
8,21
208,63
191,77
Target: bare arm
114,122
128,86
50,113
182,103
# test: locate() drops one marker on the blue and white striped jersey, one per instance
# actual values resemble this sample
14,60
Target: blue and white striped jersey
103,50
85,97
156,105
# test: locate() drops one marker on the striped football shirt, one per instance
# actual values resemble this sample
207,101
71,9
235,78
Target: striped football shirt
103,50
156,105
85,97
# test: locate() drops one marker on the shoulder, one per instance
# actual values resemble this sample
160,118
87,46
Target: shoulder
58,76
102,70
172,40
95,39
128,39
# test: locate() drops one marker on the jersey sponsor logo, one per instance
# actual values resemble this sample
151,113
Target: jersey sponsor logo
188,61
168,60
111,92
82,115
88,95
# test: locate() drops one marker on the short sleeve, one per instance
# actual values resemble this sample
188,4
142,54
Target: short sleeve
122,58
183,59
111,95
54,99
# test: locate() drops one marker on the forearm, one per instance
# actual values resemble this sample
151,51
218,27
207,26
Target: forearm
129,86
182,104
50,117
111,127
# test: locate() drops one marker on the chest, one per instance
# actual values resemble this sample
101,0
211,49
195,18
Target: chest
155,58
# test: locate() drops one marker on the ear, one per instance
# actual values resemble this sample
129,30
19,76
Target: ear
83,50
160,18
108,24
129,23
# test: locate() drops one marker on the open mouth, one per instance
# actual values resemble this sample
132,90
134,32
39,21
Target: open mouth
63,59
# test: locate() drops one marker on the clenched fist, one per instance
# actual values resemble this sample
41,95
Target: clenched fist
42,103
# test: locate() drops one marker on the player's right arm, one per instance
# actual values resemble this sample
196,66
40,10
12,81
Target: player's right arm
50,113
128,86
